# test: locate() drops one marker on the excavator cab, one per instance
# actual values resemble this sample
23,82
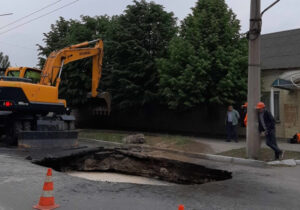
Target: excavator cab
24,74
13,72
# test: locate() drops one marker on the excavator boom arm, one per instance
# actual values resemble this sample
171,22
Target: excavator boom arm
53,66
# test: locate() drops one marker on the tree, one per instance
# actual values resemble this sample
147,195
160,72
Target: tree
182,75
207,62
140,37
132,43
4,61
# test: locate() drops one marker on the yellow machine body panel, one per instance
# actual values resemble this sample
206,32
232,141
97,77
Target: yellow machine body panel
36,93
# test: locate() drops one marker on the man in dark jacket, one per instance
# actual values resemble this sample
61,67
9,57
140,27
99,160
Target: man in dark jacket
267,126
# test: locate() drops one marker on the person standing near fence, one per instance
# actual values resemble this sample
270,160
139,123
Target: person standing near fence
232,120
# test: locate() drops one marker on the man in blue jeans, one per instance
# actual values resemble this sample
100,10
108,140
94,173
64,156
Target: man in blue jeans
267,126
232,120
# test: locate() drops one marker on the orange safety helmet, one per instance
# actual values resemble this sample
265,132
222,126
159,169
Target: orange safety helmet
245,105
260,105
298,137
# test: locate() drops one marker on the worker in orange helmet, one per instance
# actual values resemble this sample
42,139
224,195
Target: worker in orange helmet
244,107
267,126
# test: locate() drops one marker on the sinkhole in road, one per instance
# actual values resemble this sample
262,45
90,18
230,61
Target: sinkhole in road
126,162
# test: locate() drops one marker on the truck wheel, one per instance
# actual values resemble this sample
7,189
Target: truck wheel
17,128
12,134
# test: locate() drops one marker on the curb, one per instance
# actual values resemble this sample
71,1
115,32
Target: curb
288,162
218,158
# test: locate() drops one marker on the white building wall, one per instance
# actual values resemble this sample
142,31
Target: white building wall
289,102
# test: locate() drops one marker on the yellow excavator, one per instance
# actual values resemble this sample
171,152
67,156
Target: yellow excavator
32,114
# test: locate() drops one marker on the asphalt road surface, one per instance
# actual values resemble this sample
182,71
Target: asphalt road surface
251,188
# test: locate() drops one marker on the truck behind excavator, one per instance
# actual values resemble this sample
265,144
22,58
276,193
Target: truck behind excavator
31,112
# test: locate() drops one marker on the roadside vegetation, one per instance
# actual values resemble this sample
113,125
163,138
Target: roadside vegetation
102,135
117,136
184,143
151,58
4,61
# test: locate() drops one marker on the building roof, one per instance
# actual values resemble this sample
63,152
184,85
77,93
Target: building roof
281,50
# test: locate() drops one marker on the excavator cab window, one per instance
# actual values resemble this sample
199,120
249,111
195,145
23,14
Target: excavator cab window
15,73
32,74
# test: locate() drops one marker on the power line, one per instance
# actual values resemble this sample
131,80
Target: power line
6,14
18,46
66,5
26,16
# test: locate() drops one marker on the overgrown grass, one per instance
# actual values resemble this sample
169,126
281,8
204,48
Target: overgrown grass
152,139
175,140
183,143
101,135
266,154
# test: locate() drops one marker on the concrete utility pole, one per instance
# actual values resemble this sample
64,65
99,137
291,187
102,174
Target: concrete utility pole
254,70
253,137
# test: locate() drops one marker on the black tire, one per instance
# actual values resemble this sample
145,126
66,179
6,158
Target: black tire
13,131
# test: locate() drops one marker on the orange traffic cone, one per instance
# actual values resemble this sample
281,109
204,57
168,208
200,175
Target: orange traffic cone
181,207
47,199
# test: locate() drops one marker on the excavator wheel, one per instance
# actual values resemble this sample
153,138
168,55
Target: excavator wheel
100,105
12,133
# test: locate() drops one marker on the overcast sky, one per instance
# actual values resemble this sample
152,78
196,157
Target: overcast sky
20,43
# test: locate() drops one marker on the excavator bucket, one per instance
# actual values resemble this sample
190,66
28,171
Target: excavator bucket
101,104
